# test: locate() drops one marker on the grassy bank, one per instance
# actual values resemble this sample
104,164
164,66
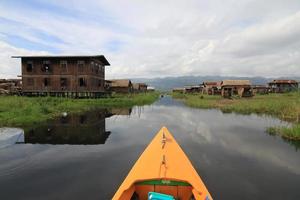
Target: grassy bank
21,111
284,106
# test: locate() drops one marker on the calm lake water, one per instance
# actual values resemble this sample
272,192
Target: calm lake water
88,156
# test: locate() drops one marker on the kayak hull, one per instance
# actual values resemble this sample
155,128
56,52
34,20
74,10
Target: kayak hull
164,168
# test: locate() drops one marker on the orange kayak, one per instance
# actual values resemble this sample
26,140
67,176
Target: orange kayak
163,170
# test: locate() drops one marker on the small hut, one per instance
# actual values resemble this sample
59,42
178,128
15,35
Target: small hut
281,86
260,89
179,90
193,89
143,87
212,88
136,87
11,86
241,88
107,85
121,86
139,87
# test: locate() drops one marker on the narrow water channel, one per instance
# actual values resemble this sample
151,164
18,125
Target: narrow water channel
87,156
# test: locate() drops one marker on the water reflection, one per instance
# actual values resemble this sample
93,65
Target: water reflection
232,153
88,128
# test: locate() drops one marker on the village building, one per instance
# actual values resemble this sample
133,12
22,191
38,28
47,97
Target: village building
107,85
121,86
179,90
260,89
143,87
212,88
193,89
150,89
72,76
241,88
139,87
10,86
280,86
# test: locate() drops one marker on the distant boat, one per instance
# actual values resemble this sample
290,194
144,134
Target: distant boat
163,172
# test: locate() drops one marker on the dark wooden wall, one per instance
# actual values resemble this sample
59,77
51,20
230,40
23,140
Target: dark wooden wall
34,81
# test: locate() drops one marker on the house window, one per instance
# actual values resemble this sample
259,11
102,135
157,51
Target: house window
46,82
80,65
82,82
29,66
63,65
100,83
92,66
63,82
30,82
96,68
46,66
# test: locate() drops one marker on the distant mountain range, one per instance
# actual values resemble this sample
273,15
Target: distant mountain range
167,83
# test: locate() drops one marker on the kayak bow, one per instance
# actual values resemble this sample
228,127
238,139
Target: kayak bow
163,168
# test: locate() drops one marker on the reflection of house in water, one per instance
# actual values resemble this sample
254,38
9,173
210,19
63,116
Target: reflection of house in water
88,128
121,111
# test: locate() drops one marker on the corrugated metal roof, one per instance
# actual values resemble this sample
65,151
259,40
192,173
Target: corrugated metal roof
100,57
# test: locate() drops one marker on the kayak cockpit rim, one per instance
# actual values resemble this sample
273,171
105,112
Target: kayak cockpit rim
166,182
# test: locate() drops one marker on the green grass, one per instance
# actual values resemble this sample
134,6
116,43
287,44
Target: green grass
23,111
284,106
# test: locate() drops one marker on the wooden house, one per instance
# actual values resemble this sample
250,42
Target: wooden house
212,88
260,89
280,86
179,90
107,85
74,76
241,88
139,87
121,86
143,87
193,89
11,86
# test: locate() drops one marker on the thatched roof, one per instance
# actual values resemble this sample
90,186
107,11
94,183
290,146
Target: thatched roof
120,83
235,83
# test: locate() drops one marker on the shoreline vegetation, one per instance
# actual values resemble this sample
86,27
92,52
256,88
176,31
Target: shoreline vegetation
283,106
23,111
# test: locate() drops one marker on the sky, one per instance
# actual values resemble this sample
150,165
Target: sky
157,38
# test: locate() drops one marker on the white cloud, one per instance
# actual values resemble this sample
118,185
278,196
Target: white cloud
172,38
10,67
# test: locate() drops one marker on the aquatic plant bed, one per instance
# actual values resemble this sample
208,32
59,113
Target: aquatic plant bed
21,111
284,106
